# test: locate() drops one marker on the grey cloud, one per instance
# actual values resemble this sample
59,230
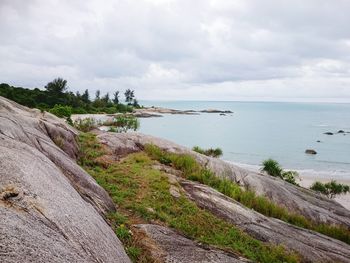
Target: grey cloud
163,47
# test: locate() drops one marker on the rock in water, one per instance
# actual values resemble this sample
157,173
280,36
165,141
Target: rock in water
50,209
328,133
310,151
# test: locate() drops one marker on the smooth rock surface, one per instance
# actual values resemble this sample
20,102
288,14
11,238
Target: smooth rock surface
50,209
312,246
168,246
298,199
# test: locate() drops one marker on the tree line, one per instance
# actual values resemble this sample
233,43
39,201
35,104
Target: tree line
56,93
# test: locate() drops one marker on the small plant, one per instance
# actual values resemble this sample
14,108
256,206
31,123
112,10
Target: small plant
208,152
124,123
274,169
330,189
112,129
85,125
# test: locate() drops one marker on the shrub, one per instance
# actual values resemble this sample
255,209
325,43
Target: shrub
330,189
85,125
61,111
274,169
124,123
208,152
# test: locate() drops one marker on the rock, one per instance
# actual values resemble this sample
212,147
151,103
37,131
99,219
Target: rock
222,114
50,209
155,110
328,133
341,131
312,246
216,111
144,114
318,141
168,246
310,151
297,199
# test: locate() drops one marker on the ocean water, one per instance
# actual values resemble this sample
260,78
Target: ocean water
260,130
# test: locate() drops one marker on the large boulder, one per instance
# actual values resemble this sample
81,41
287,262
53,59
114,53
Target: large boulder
50,209
312,246
297,199
166,245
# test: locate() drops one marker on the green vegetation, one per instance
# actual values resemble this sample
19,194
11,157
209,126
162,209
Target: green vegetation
330,189
273,168
55,94
208,152
194,171
123,123
142,195
85,125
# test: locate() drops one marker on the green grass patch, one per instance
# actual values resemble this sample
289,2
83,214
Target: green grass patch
143,193
192,170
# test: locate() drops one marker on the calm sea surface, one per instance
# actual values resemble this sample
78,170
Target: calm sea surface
260,130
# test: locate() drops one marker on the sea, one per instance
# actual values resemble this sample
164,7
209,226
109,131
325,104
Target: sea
256,131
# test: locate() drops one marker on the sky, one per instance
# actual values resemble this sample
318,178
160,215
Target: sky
181,50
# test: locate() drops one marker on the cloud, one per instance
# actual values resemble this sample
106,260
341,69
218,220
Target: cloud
167,49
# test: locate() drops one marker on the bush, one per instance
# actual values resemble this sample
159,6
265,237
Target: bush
61,111
330,189
208,152
124,123
274,169
85,125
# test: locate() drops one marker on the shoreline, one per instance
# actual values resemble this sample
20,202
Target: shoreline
306,180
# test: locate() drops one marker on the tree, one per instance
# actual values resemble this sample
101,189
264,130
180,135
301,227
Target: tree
57,86
116,97
85,97
97,94
129,96
330,189
105,98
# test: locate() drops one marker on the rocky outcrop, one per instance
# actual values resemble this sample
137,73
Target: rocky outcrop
50,209
310,151
297,199
312,246
168,246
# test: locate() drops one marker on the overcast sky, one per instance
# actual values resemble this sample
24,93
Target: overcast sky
185,49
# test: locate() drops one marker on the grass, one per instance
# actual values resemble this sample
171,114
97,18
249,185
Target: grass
217,152
142,195
195,172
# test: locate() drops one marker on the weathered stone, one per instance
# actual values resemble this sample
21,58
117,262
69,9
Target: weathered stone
294,198
168,246
312,246
310,151
50,209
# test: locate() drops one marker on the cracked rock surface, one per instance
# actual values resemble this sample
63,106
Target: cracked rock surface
170,247
300,200
50,209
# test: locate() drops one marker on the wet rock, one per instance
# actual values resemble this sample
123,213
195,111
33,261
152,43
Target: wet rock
329,133
310,151
341,131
